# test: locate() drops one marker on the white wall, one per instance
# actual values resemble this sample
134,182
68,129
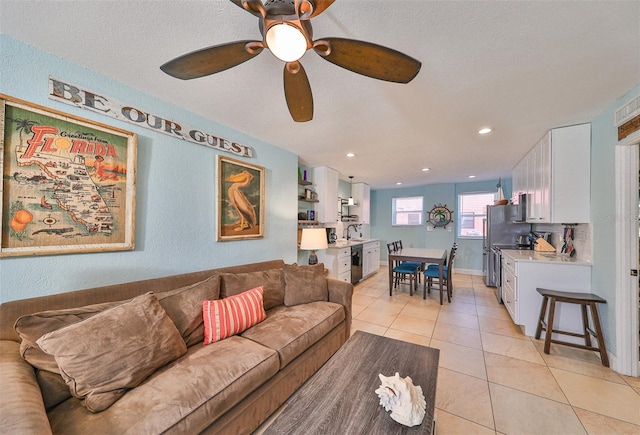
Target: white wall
175,205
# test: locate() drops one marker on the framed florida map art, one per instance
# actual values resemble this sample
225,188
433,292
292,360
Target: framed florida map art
68,183
240,200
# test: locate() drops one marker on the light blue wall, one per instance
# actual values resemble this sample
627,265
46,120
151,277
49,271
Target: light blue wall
604,137
469,256
175,193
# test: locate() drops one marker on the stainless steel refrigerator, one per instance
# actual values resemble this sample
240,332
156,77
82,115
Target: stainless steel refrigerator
499,229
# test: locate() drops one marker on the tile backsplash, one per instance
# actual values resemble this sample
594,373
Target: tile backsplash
582,240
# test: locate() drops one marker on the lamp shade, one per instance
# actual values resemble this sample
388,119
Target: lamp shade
313,238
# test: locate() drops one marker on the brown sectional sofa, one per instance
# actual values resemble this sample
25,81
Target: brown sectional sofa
230,386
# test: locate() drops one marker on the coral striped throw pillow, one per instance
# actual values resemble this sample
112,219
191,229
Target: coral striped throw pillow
229,316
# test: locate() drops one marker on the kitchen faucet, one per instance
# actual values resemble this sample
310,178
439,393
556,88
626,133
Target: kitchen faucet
355,227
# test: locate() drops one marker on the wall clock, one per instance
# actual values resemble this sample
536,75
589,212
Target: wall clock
440,216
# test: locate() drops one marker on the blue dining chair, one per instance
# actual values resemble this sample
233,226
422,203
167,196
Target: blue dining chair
398,245
402,270
432,272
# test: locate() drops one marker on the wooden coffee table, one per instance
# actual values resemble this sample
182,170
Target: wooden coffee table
340,398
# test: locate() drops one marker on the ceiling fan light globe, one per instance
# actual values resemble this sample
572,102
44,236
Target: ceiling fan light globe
286,42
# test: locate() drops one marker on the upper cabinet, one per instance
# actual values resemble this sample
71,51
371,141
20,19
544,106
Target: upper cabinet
326,181
361,193
556,175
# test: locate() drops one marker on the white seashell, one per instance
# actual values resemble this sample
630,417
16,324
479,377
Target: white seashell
405,400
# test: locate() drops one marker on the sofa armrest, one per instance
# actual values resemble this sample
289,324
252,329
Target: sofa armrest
341,292
21,405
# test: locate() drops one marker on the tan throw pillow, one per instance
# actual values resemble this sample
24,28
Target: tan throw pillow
30,327
184,307
304,284
270,280
102,357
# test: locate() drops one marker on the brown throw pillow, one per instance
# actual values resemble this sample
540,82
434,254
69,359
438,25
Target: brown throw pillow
270,280
102,357
304,284
30,327
184,307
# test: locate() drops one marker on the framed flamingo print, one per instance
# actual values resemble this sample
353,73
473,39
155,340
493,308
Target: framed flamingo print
68,183
240,200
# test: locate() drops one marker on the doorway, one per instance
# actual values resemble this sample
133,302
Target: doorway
627,161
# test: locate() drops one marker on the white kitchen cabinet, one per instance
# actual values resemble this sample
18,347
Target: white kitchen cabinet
371,258
326,181
556,175
524,271
361,193
337,261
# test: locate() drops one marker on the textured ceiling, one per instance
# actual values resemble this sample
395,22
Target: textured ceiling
519,67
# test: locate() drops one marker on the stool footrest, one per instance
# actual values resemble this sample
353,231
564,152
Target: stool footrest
580,346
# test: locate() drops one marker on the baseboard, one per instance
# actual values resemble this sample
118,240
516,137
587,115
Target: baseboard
468,271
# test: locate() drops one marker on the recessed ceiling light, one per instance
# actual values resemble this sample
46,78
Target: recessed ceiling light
425,169
472,176
398,183
351,155
485,130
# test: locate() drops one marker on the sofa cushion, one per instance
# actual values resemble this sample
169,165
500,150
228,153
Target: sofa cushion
191,392
184,307
271,281
53,388
292,330
230,316
101,357
304,284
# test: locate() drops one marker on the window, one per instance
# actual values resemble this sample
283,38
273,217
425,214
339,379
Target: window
407,211
472,209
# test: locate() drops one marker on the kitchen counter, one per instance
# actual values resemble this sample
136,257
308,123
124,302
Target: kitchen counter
352,242
543,257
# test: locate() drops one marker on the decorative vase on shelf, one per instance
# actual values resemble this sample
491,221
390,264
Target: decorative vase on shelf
501,199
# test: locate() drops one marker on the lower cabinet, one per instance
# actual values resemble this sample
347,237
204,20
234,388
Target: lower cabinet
337,261
520,279
371,258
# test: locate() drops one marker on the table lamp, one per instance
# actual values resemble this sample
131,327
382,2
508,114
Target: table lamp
313,239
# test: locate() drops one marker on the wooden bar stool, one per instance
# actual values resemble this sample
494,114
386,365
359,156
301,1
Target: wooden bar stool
582,299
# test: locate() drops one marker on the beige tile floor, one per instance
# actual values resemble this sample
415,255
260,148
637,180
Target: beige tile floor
492,378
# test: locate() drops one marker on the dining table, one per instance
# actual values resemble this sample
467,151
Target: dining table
422,255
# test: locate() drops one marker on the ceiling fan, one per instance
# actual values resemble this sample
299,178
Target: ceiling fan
286,30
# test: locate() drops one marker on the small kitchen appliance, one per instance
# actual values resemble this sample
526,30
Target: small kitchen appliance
331,236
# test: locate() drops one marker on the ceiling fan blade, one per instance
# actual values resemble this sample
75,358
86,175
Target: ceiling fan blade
307,9
297,92
368,59
254,7
212,60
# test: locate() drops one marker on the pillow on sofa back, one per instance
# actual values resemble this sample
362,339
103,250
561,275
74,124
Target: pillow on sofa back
183,305
30,327
102,357
304,284
270,280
